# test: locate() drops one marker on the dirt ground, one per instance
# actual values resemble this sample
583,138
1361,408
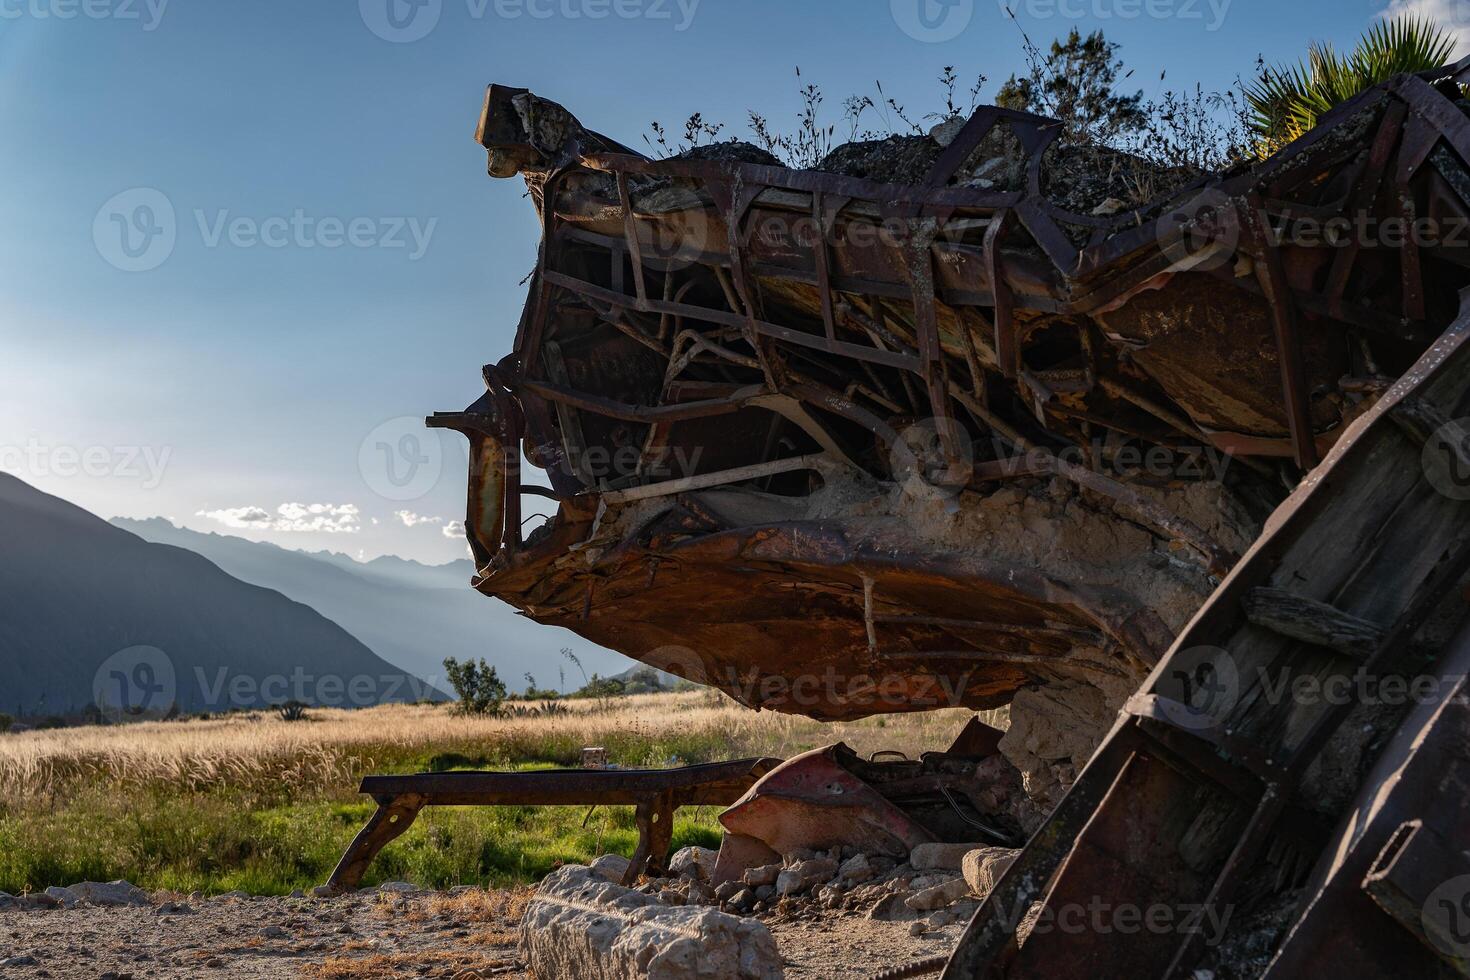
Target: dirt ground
464,935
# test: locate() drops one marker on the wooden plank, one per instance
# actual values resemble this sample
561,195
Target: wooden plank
1312,622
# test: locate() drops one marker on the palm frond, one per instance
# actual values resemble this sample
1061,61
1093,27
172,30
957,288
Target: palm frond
1288,100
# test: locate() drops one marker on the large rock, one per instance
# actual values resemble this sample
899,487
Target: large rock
694,862
940,857
856,870
804,874
611,867
1055,729
766,874
983,867
939,896
580,925
111,893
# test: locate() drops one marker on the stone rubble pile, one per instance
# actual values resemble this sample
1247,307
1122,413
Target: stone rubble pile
111,894
938,884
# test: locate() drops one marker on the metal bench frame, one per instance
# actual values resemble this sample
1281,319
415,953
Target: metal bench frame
656,794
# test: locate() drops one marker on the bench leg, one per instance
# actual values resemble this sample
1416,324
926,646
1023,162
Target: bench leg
389,823
655,820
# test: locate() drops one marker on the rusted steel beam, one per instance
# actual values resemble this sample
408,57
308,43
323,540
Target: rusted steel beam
1007,346
1390,130
630,235
1272,277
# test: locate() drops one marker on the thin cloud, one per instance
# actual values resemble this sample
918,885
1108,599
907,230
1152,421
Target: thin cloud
454,529
410,519
238,516
291,517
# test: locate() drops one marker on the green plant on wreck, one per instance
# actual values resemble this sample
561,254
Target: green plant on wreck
1286,101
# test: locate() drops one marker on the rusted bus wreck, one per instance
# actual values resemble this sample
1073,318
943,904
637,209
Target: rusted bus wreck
983,418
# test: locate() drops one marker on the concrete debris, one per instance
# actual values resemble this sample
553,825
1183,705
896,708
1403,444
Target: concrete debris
728,890
112,893
938,896
1054,730
893,907
397,887
581,925
698,861
610,867
766,874
803,875
945,132
982,868
857,869
940,857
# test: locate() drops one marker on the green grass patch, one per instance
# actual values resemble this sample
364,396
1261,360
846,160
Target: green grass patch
211,843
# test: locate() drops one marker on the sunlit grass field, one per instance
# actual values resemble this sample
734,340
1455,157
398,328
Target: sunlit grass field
255,803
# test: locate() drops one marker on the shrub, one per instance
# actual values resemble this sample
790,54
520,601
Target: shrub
291,711
478,687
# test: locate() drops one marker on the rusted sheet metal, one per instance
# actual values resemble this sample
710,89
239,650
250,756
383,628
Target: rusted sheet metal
696,323
814,802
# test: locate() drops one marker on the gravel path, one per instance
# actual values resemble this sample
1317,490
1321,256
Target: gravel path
468,934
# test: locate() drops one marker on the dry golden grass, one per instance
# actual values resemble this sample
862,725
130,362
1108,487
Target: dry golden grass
474,905
255,803
333,748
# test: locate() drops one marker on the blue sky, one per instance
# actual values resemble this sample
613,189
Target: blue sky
338,265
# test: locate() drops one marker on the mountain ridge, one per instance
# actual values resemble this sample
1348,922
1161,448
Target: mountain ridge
401,609
92,614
